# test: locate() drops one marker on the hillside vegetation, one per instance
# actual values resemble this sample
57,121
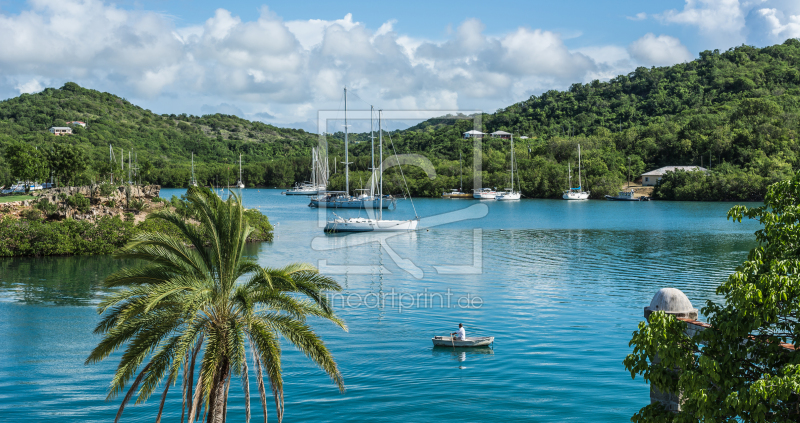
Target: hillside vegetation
735,112
163,143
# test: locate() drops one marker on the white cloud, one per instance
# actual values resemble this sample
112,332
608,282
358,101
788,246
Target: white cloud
661,50
729,23
721,21
773,25
638,17
284,71
30,87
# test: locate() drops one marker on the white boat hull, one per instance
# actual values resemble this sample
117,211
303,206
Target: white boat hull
360,224
350,204
506,196
576,195
448,341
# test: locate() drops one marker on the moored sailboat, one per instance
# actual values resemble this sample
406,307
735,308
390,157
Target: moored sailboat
360,224
576,193
510,194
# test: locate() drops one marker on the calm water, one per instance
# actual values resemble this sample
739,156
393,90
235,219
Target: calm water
561,285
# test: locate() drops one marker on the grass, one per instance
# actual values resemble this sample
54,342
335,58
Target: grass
16,198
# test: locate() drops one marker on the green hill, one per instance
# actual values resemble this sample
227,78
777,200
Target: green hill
735,112
163,143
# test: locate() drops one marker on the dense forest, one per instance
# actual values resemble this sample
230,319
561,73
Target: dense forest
735,112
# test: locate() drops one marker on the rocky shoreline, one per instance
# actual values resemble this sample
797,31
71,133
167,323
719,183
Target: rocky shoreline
103,200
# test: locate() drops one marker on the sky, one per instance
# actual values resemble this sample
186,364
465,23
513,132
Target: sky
285,63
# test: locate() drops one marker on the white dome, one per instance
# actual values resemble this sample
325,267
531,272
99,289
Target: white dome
671,301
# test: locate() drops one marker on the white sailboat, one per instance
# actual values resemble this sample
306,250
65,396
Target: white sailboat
361,224
194,181
239,183
484,194
576,193
319,177
510,194
343,199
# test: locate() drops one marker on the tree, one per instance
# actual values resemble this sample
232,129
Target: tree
26,163
66,161
189,299
745,368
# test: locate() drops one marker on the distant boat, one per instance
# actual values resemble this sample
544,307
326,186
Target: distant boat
194,181
319,177
360,224
239,183
484,194
510,194
576,193
343,199
458,193
455,193
627,196
449,341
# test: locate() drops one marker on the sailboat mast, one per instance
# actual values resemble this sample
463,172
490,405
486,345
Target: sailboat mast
240,168
512,162
372,153
380,192
580,185
461,171
346,161
569,178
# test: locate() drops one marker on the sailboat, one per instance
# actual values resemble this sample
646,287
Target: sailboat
576,193
239,183
361,224
458,193
319,177
343,199
510,194
194,181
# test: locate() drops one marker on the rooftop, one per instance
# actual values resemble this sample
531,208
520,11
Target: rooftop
665,169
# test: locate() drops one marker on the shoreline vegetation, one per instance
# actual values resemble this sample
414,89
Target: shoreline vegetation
96,219
736,113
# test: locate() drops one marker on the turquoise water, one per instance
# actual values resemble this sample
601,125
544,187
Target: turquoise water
561,285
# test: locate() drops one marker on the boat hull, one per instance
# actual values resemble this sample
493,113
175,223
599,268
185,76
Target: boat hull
350,204
448,341
610,198
584,195
458,195
370,225
508,196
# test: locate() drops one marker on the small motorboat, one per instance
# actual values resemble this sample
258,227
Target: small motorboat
449,341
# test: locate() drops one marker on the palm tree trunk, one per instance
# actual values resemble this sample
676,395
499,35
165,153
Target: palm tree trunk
216,403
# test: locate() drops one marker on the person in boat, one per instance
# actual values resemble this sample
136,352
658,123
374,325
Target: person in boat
461,334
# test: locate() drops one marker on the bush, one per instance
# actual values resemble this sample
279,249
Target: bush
46,206
79,202
260,223
106,189
68,237
138,205
32,215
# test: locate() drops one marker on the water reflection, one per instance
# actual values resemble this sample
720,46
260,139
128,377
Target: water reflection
56,280
461,354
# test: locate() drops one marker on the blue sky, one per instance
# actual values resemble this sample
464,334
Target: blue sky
283,62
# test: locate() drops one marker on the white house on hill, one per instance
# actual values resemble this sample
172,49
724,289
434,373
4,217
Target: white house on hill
651,178
77,122
60,130
473,134
501,134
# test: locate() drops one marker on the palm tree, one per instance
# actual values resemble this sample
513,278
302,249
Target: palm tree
189,299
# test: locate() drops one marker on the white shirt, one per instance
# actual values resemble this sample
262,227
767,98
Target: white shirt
462,334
